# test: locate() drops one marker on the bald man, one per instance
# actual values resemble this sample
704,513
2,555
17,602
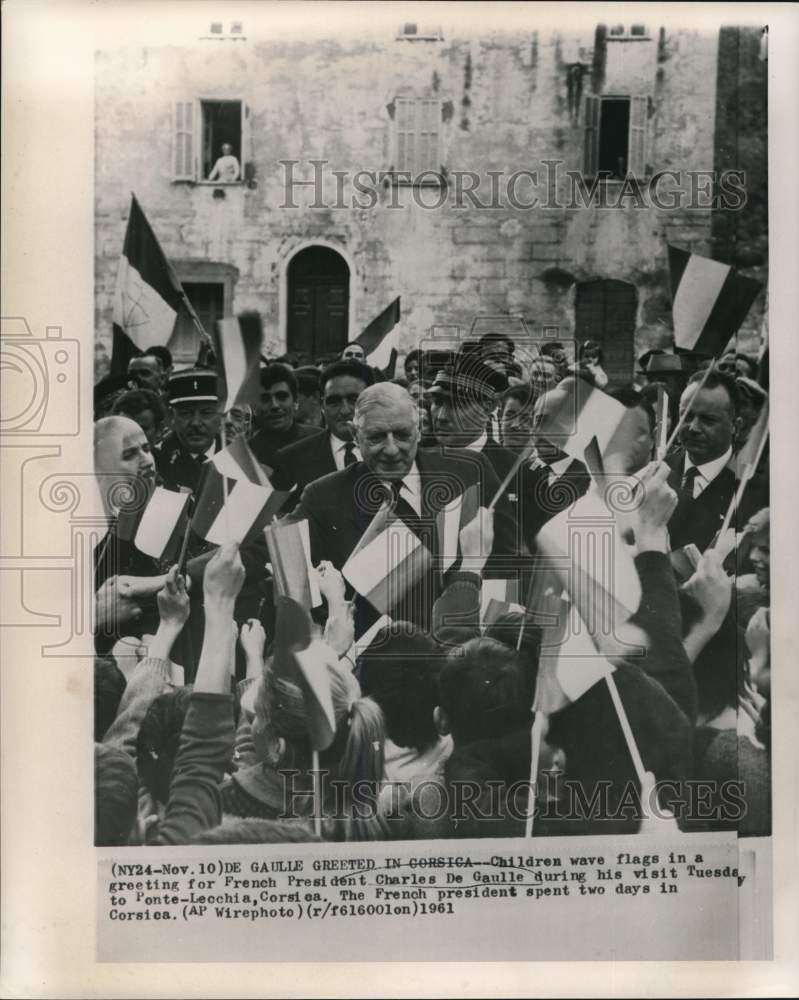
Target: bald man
121,454
340,506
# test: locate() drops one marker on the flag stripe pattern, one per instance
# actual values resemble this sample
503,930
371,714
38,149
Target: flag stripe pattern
148,293
710,300
237,343
163,522
384,570
247,511
379,340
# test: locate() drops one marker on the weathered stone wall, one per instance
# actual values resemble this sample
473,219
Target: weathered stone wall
505,108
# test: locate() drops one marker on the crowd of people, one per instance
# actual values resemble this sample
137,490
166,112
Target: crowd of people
203,736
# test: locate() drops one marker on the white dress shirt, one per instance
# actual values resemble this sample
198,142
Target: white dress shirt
338,447
411,489
708,472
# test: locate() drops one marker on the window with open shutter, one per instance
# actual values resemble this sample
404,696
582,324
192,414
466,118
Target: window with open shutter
183,162
636,161
591,149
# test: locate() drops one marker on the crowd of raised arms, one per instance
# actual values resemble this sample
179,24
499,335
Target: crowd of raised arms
204,727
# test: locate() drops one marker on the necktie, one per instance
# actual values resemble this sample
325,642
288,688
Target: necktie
404,510
349,454
689,479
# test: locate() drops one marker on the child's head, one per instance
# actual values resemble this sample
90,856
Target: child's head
483,693
281,716
116,788
400,672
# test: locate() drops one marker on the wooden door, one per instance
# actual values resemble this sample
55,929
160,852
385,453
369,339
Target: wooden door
318,306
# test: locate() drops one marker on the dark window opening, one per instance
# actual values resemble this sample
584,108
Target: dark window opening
208,300
614,137
221,125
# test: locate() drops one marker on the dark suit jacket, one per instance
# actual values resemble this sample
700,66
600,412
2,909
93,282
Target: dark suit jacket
340,506
698,520
530,502
301,463
265,444
551,498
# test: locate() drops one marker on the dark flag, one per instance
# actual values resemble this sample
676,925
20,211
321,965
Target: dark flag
710,300
379,339
148,294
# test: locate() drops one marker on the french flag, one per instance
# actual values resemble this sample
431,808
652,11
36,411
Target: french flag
148,294
237,345
380,339
233,510
710,301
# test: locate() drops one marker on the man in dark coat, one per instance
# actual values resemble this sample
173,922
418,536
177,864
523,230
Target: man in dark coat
702,472
277,420
340,507
313,457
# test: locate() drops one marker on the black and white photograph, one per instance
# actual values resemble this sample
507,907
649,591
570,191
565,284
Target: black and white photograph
412,472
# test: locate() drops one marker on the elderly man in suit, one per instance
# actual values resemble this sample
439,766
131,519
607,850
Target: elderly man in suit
419,482
341,384
701,468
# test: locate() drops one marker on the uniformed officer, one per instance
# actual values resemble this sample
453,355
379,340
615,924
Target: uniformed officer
196,423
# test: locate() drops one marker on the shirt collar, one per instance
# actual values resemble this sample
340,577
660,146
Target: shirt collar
709,470
338,443
559,468
479,444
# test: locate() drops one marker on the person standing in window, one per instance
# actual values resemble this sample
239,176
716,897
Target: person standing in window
226,168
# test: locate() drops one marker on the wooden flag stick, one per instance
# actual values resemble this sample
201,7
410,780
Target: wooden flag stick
684,415
223,435
745,478
524,455
535,754
184,545
662,424
317,794
632,746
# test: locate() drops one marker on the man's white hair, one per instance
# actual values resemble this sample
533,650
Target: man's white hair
385,394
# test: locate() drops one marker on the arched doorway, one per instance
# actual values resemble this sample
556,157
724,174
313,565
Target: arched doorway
605,311
318,302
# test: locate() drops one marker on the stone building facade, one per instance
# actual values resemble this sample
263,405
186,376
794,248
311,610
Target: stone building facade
461,117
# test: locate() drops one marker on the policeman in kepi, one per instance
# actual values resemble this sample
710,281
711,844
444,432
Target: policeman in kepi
196,423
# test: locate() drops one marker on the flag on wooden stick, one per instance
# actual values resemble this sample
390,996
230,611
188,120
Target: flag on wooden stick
575,413
380,339
289,547
710,301
148,294
237,461
237,345
236,513
595,566
385,569
163,524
